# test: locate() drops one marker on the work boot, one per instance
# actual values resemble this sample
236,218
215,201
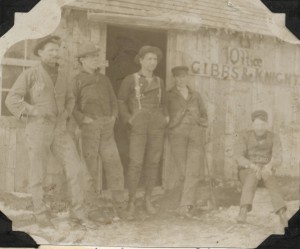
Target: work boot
242,215
130,209
283,218
149,206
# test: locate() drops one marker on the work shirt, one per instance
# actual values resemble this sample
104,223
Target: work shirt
262,150
191,110
137,93
94,96
34,88
52,71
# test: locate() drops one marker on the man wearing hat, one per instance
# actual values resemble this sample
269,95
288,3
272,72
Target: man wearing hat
258,155
188,120
142,106
41,96
96,110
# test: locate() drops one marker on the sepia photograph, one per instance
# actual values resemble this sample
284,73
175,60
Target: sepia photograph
150,123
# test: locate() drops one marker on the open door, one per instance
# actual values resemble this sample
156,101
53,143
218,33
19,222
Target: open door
123,43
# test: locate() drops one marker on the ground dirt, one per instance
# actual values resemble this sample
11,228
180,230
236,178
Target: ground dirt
207,228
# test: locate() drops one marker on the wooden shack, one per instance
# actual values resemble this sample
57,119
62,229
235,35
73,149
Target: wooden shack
235,61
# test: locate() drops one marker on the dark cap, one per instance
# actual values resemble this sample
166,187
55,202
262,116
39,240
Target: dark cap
179,70
260,114
43,41
86,49
148,49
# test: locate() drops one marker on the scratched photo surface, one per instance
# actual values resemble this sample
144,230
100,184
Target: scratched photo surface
150,123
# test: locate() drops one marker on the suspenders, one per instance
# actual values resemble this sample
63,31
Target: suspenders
138,94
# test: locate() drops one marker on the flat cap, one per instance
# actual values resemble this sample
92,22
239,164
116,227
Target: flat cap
85,49
148,49
179,69
40,43
260,114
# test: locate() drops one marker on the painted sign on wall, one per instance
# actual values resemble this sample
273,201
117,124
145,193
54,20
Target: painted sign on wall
243,65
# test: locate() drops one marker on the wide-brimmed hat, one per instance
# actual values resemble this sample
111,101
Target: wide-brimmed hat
85,49
40,43
179,70
259,114
148,49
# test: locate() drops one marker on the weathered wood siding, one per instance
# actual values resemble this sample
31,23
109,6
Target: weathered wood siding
14,161
230,102
245,15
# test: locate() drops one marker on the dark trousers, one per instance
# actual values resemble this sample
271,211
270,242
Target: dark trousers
146,142
250,181
187,146
100,150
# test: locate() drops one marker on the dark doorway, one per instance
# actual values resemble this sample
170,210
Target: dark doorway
123,43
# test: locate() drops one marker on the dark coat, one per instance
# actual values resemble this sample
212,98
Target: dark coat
94,96
178,107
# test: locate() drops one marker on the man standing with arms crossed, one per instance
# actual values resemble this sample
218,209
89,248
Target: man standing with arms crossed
142,105
50,103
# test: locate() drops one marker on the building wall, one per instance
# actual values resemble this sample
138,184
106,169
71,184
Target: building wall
229,101
229,98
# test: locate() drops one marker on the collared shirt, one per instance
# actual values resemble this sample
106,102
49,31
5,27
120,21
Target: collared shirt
94,96
52,71
262,150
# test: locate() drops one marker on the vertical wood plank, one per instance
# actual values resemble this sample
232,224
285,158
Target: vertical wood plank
11,165
169,173
22,162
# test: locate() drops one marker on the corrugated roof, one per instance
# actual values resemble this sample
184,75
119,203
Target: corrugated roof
240,15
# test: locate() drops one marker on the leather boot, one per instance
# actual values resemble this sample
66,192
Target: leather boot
149,206
283,218
242,215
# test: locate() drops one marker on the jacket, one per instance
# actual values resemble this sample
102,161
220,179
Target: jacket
34,89
94,96
178,107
